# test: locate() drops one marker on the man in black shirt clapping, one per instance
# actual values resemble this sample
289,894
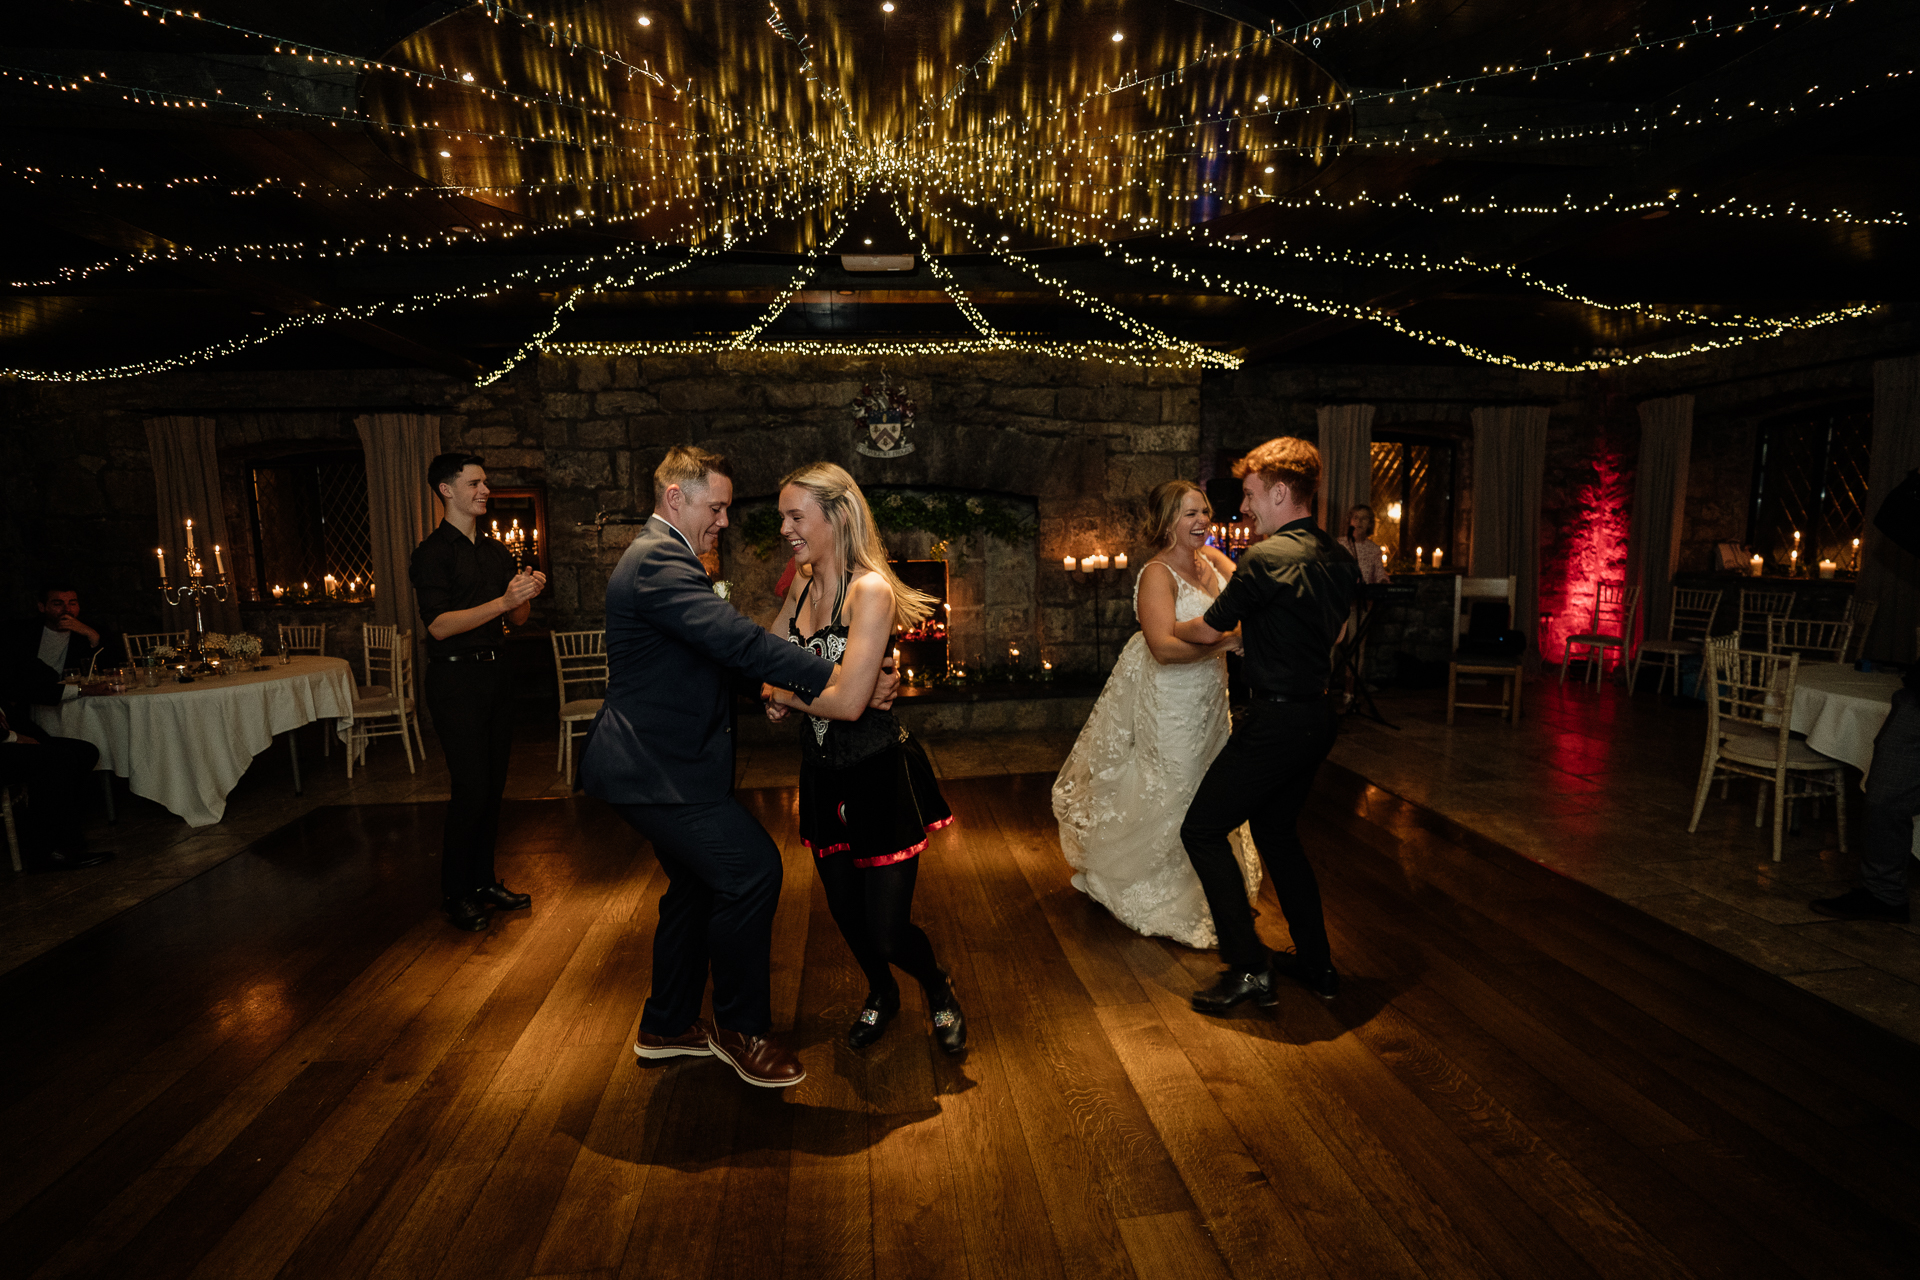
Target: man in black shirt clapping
465,584
1289,596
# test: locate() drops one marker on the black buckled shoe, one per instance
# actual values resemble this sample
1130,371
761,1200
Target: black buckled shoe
501,898
466,913
1234,986
872,1022
1317,978
949,1023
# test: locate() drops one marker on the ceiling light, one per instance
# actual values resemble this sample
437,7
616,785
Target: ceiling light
459,228
579,213
467,76
645,21
887,7
1118,37
1269,168
1004,239
866,242
446,155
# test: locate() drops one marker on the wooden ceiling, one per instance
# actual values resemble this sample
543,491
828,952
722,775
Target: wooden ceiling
1427,181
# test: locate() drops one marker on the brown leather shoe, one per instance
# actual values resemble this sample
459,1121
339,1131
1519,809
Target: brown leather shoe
691,1043
759,1060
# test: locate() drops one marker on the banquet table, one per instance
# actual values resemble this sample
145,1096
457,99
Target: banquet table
186,745
1841,710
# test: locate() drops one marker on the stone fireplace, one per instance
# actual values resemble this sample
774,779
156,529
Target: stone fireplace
1073,447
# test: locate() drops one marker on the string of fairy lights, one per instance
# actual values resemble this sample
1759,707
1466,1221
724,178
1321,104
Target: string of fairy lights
747,170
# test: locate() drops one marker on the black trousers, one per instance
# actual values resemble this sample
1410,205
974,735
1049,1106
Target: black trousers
723,886
56,772
1262,777
473,715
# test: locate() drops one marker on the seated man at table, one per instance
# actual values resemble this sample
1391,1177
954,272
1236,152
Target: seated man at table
1893,798
55,771
56,635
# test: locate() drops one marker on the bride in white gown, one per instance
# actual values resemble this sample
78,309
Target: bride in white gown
1157,726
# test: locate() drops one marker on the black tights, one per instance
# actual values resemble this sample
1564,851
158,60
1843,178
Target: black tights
873,907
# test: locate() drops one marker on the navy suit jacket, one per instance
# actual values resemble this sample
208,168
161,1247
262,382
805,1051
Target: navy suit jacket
674,651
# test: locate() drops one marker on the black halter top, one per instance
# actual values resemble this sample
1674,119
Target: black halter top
835,744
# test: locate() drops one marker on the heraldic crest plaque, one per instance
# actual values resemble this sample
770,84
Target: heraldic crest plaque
887,415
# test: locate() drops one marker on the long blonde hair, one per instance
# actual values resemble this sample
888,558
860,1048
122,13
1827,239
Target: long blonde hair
855,536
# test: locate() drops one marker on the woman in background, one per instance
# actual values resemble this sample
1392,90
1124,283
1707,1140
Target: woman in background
1158,724
868,798
1359,540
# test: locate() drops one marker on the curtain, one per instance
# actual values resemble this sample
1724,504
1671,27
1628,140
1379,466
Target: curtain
1887,573
401,513
1346,461
1659,506
186,486
1509,462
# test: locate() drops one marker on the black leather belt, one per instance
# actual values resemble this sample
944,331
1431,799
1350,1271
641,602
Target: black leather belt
1263,696
470,655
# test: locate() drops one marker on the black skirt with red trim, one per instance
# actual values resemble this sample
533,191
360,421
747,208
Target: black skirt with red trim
881,808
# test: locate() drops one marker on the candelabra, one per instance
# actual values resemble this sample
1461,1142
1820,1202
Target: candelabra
1091,569
526,554
196,588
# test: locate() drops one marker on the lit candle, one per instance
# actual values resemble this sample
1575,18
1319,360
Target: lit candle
1045,665
1437,553
1120,561
190,539
1069,563
1796,539
161,556
219,566
195,569
1013,653
1418,554
1856,555
1827,567
1758,564
279,592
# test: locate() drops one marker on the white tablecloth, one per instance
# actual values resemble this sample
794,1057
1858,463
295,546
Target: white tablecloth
186,745
1840,710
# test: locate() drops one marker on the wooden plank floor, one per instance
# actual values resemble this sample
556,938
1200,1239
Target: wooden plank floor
289,1067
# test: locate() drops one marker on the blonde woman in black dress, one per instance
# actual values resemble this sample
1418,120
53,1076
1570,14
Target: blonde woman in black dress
868,799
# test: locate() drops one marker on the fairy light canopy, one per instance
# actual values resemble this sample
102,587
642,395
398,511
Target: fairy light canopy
1210,183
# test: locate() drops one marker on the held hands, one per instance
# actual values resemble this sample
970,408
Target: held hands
886,689
770,699
1234,642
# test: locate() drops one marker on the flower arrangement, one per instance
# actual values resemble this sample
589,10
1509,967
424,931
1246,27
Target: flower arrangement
213,642
164,651
245,648
724,588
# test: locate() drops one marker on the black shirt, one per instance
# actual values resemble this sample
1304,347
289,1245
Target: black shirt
1290,596
451,572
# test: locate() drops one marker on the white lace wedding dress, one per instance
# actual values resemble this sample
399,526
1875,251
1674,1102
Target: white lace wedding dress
1125,787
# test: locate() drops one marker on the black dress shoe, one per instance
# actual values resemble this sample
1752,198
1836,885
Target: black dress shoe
875,1014
1858,904
1234,986
1317,978
501,898
466,913
70,859
949,1023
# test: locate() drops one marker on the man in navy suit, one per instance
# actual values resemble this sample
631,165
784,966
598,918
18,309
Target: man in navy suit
661,752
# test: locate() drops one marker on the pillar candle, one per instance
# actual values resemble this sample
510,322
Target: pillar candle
161,556
1120,561
1437,553
1758,564
1069,563
189,539
1826,568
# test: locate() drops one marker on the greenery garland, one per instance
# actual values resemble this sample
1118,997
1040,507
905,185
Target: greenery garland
949,519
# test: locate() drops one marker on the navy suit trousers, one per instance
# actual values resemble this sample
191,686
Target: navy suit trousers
723,886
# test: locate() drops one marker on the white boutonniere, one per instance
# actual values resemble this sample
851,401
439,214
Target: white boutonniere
724,589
